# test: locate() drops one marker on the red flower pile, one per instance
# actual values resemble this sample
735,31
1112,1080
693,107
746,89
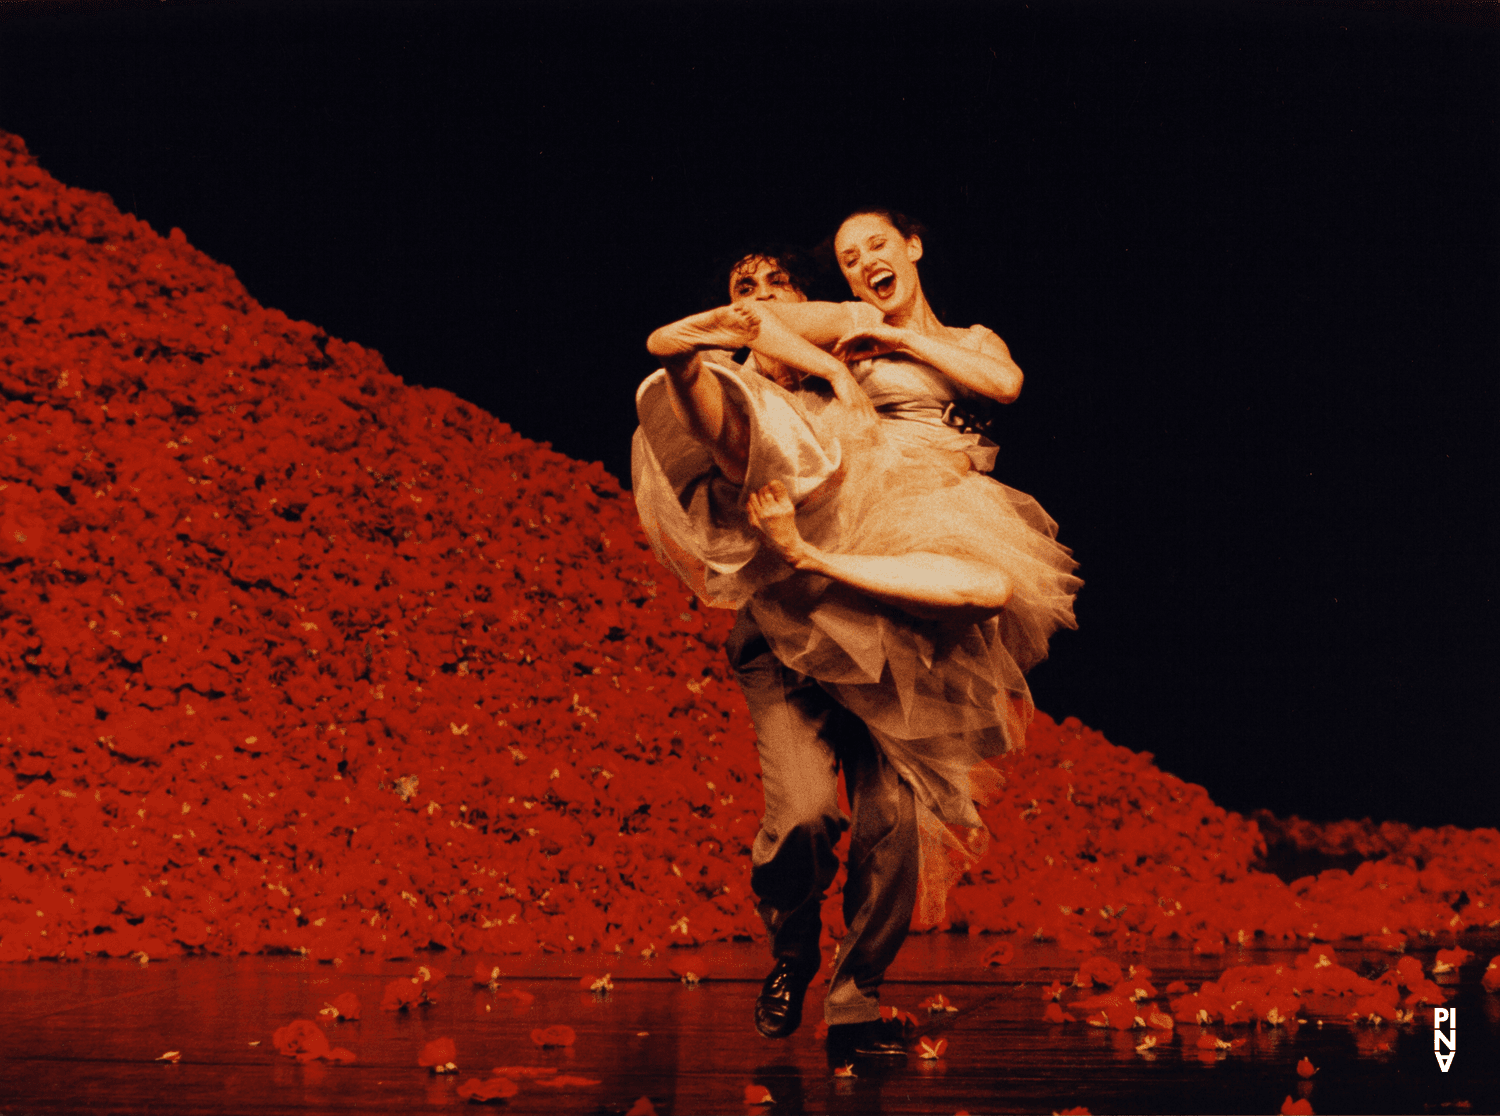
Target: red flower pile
296,657
1092,841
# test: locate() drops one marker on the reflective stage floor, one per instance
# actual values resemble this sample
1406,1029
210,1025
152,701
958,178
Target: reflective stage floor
85,1038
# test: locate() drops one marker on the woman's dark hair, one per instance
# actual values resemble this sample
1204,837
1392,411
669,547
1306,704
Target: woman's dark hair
908,227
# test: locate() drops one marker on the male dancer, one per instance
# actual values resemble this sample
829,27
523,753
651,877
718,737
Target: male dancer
804,737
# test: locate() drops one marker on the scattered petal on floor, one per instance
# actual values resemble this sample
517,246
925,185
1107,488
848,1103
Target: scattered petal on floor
345,1006
481,1092
404,993
567,1081
1491,979
892,1014
301,1039
1002,954
1098,969
438,1055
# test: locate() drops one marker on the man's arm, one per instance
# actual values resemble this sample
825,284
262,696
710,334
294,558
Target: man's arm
707,413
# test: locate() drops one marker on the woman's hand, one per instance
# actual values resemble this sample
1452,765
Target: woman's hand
870,341
847,391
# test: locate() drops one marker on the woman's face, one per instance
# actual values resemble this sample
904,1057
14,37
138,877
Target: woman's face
879,264
756,278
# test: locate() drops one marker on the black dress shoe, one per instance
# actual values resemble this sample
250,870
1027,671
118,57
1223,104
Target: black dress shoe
878,1038
778,1009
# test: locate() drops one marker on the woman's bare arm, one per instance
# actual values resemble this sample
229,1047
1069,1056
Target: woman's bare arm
818,323
987,371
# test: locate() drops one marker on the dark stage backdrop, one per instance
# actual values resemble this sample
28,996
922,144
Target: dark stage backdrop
1246,254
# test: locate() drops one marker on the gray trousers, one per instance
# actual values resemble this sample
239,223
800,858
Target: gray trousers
804,737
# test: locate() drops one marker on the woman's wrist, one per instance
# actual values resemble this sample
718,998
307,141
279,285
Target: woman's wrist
914,343
809,559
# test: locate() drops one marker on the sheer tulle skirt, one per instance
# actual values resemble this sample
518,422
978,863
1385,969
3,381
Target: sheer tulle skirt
940,699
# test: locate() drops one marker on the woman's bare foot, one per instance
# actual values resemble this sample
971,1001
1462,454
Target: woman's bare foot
727,327
772,513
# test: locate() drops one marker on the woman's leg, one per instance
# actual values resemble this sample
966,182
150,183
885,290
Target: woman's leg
925,584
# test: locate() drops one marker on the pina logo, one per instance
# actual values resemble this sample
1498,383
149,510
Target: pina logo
1440,1040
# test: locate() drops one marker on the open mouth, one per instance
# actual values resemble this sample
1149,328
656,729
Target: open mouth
883,283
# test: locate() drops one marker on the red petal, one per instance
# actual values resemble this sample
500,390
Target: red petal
559,1035
438,1052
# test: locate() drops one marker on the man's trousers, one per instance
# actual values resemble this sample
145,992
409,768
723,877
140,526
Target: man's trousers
804,737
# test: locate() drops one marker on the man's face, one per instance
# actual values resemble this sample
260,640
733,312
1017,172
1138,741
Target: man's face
756,278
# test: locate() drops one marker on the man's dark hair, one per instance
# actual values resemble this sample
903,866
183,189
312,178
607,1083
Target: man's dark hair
799,264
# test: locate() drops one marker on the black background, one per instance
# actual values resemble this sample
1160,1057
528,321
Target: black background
1247,255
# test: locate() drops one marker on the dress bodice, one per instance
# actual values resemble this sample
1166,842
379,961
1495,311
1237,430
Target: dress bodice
915,397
